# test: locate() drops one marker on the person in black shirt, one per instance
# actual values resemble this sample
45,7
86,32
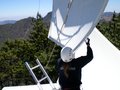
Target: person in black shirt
69,68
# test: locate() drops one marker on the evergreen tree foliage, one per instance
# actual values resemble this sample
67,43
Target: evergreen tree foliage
43,47
12,68
15,53
111,29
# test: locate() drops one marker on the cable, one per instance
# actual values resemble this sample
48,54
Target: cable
38,5
66,17
68,9
50,55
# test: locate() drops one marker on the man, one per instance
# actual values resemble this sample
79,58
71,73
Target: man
69,68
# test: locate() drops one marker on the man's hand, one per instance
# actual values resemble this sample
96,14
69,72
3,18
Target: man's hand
87,41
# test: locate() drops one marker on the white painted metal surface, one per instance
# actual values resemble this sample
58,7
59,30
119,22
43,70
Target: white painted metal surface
103,73
31,87
73,20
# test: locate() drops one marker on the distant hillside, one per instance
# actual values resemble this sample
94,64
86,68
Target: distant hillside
21,28
107,16
7,22
47,19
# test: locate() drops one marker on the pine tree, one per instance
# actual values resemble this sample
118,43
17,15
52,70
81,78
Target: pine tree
44,47
12,68
111,29
15,53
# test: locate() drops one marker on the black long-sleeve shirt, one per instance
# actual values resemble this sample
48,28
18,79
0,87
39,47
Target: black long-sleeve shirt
75,67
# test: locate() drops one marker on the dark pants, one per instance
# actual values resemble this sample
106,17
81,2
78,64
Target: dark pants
73,88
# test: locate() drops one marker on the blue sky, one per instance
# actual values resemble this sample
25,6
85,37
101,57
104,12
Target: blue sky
17,9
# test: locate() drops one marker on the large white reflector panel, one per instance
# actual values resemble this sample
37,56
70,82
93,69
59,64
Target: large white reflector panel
73,20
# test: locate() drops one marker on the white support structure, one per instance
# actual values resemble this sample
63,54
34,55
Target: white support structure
39,65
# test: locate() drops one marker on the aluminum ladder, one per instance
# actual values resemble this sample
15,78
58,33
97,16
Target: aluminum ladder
39,65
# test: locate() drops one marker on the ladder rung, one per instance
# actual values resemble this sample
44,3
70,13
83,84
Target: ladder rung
42,79
35,67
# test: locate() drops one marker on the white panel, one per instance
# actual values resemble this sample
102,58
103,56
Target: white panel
32,87
103,72
82,17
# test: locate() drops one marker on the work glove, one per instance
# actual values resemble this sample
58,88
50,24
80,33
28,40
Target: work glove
87,42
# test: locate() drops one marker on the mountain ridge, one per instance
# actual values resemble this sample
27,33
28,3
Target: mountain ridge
21,29
7,22
15,31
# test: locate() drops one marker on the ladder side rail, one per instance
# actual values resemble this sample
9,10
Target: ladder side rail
31,72
45,73
39,86
33,75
